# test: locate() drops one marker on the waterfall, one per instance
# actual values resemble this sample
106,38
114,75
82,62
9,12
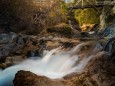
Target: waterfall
55,64
48,56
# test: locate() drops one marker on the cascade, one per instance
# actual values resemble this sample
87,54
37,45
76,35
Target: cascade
55,64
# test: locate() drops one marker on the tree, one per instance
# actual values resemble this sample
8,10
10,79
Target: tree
87,15
19,15
22,15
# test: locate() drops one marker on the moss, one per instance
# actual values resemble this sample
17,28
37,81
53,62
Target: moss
62,29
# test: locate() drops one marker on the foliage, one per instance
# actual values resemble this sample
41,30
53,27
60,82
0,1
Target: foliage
57,13
24,14
87,15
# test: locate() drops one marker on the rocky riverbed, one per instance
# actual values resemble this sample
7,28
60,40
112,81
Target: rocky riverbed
99,72
15,48
99,54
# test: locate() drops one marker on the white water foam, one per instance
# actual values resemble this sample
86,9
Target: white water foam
53,65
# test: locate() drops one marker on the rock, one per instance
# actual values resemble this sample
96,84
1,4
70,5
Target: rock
9,61
35,53
67,44
108,31
3,65
26,78
15,59
99,72
7,38
110,47
99,47
102,70
12,44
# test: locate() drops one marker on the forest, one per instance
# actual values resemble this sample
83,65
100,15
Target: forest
57,42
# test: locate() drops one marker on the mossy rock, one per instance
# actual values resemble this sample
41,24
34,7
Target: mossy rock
62,29
110,18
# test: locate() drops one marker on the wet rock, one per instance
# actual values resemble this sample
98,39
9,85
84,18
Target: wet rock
6,50
36,48
4,65
26,78
7,38
110,47
35,53
9,61
67,44
108,31
15,59
98,47
102,70
99,72
12,44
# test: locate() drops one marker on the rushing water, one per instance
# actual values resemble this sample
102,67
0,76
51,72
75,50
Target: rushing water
55,64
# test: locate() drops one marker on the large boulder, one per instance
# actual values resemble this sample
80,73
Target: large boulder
26,78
